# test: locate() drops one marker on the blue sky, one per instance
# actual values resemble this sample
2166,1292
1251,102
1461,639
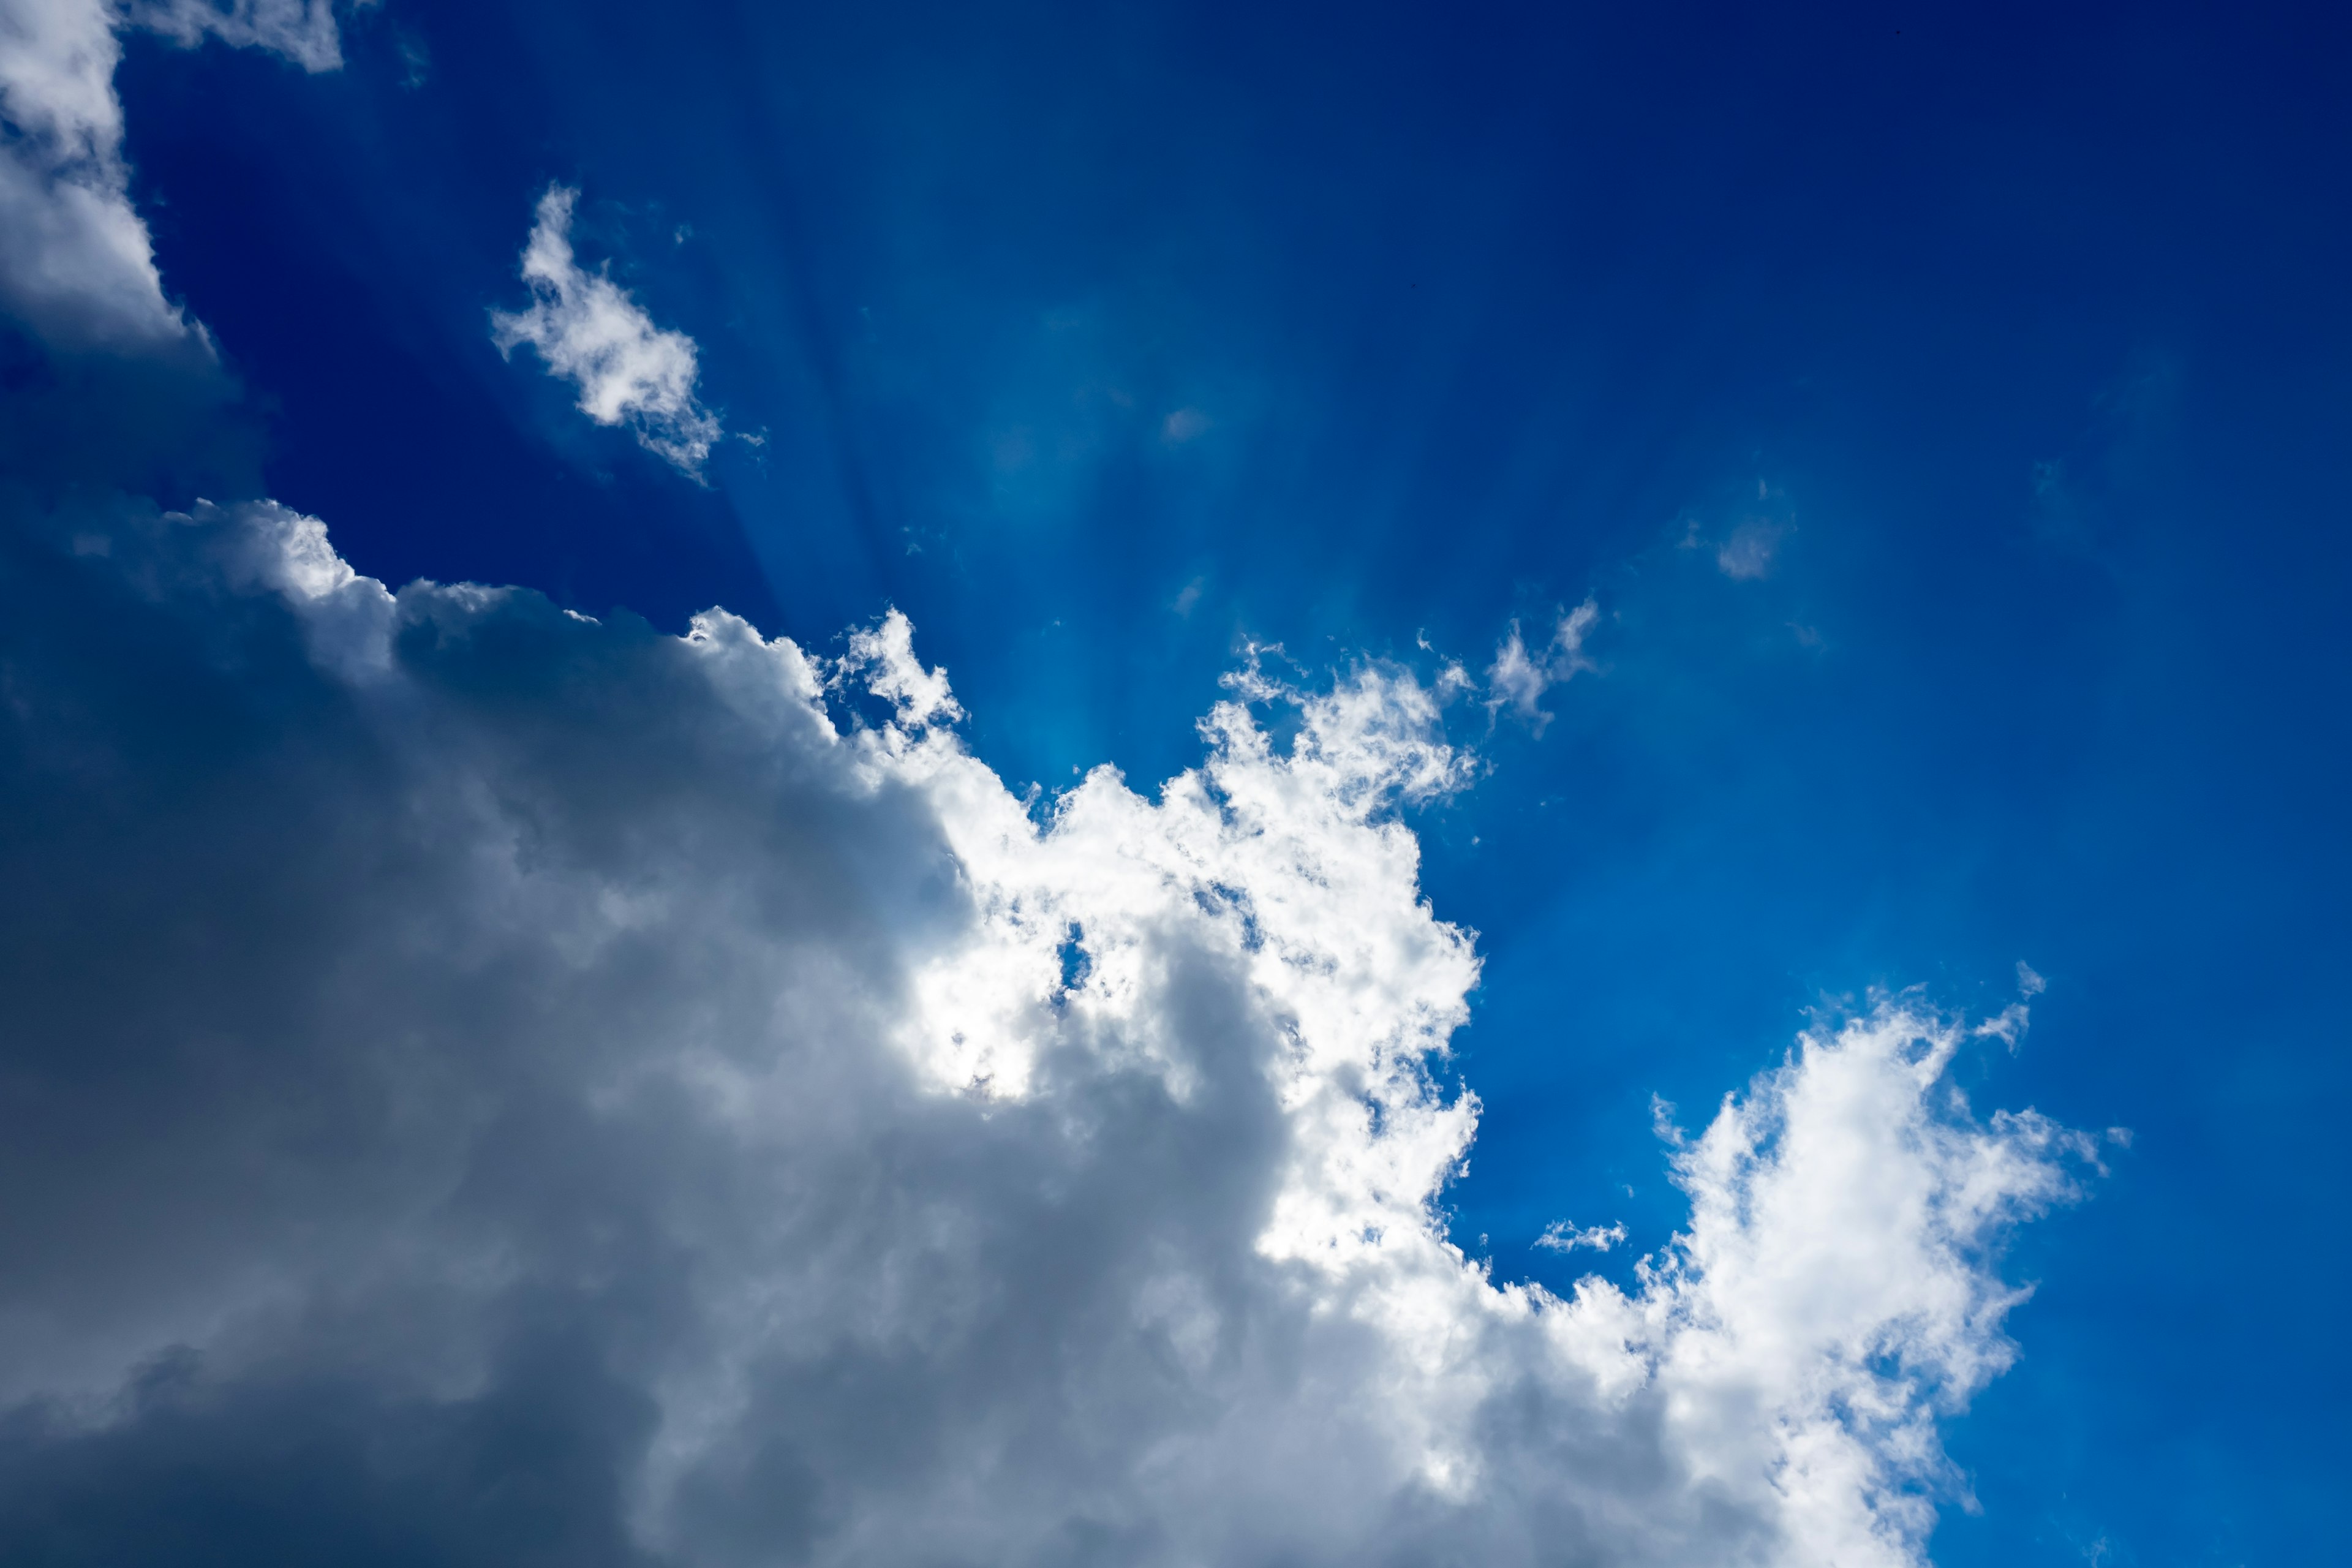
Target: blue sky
1944,409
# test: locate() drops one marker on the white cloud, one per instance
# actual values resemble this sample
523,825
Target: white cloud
593,333
1561,1237
301,30
1826,1274
76,263
1519,677
881,660
601,1041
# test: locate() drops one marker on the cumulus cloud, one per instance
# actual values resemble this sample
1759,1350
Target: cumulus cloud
1520,676
593,333
502,1086
76,262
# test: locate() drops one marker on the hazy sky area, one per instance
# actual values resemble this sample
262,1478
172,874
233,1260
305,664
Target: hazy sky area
1173,785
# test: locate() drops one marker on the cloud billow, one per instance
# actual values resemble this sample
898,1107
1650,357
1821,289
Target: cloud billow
486,1085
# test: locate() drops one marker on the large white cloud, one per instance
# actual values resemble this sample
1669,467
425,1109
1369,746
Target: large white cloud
76,263
545,1090
592,333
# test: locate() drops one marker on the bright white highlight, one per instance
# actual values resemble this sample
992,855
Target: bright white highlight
591,332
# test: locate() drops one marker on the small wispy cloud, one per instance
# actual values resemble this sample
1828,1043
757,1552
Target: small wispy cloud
1561,1237
590,331
302,30
1520,675
2010,1025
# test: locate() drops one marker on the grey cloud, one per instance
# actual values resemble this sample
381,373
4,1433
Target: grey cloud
484,1085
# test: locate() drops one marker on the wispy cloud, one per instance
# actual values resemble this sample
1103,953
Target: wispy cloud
1561,1237
2009,1026
302,30
1520,675
593,333
1747,555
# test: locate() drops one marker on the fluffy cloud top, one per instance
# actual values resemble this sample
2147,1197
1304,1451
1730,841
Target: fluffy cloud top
76,263
593,334
493,1086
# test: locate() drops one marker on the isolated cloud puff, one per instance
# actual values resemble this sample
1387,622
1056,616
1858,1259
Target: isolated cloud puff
486,1085
593,333
1519,676
76,262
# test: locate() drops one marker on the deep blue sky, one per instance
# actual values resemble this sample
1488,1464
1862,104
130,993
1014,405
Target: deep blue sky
2022,334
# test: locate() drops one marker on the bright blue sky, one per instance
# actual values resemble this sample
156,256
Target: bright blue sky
2016,341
